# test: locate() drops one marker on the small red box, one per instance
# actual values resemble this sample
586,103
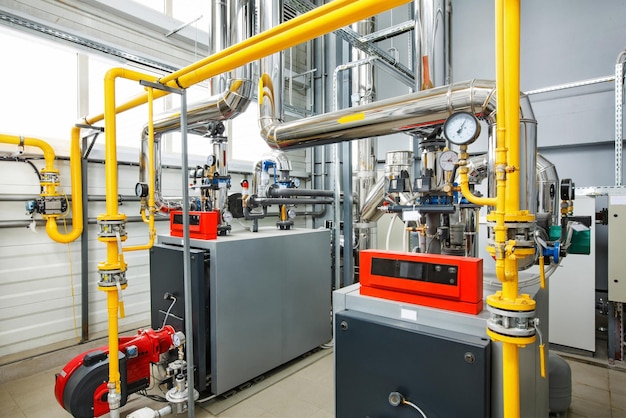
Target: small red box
202,225
439,281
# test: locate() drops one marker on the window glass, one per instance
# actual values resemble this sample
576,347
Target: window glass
153,4
246,141
189,10
39,95
129,124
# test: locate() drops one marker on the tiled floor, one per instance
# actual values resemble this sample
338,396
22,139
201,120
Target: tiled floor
598,392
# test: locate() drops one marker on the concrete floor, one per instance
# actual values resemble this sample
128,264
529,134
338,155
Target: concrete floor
598,392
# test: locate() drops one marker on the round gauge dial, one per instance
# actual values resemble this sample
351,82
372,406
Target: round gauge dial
447,160
141,190
461,128
210,160
178,339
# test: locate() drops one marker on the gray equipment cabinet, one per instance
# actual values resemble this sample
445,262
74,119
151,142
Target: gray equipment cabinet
382,346
260,299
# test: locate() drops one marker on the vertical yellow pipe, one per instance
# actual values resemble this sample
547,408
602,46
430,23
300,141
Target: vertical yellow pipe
151,170
115,259
510,355
112,306
511,103
507,171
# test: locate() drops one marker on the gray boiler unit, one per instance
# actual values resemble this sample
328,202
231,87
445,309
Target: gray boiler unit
259,300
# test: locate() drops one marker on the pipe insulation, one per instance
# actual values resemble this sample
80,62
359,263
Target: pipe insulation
405,113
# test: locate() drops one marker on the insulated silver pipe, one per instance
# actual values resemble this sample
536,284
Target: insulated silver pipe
233,100
270,15
405,113
430,43
547,189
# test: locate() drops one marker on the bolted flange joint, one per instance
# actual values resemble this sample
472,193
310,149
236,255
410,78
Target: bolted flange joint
49,177
112,228
511,321
110,278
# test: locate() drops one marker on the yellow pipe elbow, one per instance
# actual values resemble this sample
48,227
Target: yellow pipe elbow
467,193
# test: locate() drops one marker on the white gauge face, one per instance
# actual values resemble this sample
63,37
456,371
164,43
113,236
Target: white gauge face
447,160
210,160
461,128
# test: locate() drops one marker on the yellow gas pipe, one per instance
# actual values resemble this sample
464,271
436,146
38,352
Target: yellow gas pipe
506,201
507,210
49,182
308,26
151,163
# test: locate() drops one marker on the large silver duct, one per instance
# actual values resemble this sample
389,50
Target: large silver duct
363,91
431,44
270,15
547,190
412,112
234,99
407,113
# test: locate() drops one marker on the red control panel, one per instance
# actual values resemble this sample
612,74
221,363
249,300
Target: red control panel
202,225
439,281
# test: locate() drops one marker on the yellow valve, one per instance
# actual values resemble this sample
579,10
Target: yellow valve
542,359
542,272
121,300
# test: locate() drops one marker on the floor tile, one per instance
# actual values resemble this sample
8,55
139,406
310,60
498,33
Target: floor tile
618,402
586,408
591,393
590,375
13,411
617,382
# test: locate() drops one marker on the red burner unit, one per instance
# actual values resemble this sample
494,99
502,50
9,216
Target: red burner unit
439,281
202,225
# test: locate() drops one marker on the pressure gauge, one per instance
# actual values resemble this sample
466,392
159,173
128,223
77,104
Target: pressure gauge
461,128
296,182
210,160
178,339
447,160
141,190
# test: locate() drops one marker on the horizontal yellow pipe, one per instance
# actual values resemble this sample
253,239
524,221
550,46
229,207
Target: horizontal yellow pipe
48,152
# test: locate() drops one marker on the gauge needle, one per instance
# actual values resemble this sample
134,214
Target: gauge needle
461,127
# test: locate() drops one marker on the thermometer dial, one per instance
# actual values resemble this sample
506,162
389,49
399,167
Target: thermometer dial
447,160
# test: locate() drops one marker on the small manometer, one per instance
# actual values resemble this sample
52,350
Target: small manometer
461,128
447,160
210,160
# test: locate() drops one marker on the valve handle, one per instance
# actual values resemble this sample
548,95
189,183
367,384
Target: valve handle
542,360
